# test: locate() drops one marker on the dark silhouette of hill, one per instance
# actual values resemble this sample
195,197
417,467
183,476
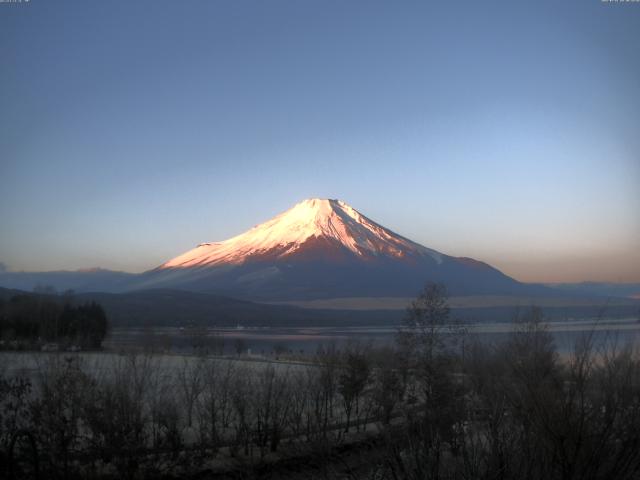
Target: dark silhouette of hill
165,307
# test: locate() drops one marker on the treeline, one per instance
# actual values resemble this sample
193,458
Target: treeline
32,320
436,406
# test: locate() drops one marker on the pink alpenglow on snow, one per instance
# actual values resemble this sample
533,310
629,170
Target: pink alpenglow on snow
308,221
323,249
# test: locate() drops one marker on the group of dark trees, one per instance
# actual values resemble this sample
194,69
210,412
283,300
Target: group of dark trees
147,416
517,409
437,405
31,320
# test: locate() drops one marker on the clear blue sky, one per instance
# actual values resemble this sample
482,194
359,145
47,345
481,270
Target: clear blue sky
506,131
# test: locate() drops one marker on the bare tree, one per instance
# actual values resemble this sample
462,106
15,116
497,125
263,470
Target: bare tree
116,414
299,402
215,405
427,344
242,390
353,379
57,411
191,384
387,391
271,408
327,360
240,346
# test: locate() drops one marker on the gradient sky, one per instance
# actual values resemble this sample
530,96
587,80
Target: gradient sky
509,132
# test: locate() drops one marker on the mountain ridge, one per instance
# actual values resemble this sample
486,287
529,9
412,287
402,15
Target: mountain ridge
323,248
318,249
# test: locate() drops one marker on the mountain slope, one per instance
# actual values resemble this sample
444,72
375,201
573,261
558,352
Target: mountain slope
325,249
315,224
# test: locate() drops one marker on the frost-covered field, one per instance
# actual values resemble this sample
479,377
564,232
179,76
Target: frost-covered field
168,403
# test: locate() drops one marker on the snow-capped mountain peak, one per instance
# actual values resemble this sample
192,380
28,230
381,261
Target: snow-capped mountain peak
327,220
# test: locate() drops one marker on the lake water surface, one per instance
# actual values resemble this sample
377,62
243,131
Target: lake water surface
307,340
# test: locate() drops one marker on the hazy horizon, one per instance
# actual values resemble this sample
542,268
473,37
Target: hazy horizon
502,131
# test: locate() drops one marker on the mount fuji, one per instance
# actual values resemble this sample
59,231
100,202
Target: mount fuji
323,248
